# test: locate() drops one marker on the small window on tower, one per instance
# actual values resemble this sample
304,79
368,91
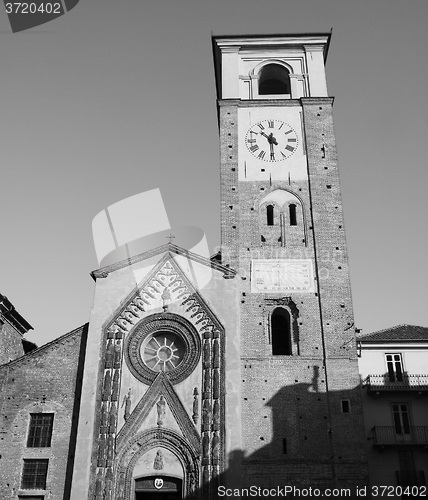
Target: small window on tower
274,79
293,218
269,215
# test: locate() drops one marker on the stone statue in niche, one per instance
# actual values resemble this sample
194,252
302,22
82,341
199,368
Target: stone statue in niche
166,298
215,446
127,403
158,462
160,408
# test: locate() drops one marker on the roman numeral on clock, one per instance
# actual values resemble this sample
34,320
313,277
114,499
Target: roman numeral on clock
262,154
254,148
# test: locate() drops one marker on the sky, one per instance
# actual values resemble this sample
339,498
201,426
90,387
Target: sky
117,98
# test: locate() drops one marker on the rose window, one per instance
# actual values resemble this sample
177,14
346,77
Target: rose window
163,351
162,342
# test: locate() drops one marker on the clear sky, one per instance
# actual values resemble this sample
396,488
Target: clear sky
118,97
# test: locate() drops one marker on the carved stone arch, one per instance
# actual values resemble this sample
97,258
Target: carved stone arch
144,442
167,322
288,305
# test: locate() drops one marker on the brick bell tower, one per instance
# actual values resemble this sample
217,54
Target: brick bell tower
282,230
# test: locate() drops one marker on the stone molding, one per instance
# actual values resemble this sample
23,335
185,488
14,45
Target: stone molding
160,386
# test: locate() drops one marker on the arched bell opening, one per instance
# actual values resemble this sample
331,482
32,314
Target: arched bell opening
274,79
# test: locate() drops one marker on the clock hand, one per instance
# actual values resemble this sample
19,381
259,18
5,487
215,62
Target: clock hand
271,139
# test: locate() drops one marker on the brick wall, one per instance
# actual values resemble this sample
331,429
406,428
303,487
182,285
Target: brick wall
10,342
43,381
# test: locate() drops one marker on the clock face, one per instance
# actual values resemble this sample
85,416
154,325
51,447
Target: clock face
271,140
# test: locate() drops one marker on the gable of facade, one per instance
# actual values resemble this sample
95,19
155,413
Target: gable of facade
154,398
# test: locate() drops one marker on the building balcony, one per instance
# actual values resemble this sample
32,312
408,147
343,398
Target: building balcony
388,436
383,383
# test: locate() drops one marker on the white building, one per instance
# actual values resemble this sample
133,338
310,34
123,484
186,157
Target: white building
394,370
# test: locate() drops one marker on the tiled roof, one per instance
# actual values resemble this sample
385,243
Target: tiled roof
400,333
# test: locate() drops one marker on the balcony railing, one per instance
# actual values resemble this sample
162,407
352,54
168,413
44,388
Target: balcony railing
388,436
377,383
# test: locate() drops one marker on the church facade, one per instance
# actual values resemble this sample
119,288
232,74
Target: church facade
235,371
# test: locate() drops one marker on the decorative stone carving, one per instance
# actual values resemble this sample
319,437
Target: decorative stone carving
207,354
160,408
206,412
216,356
162,322
108,490
110,451
117,354
195,416
109,355
115,389
99,484
166,298
215,448
113,418
158,462
205,445
207,382
104,418
216,415
216,384
107,386
121,486
127,403
102,451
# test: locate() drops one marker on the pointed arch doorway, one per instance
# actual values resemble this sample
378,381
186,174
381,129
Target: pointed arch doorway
158,488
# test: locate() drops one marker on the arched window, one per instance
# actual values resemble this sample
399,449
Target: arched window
269,215
274,79
281,332
293,218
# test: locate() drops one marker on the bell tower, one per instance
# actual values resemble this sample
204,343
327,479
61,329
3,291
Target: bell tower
282,230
